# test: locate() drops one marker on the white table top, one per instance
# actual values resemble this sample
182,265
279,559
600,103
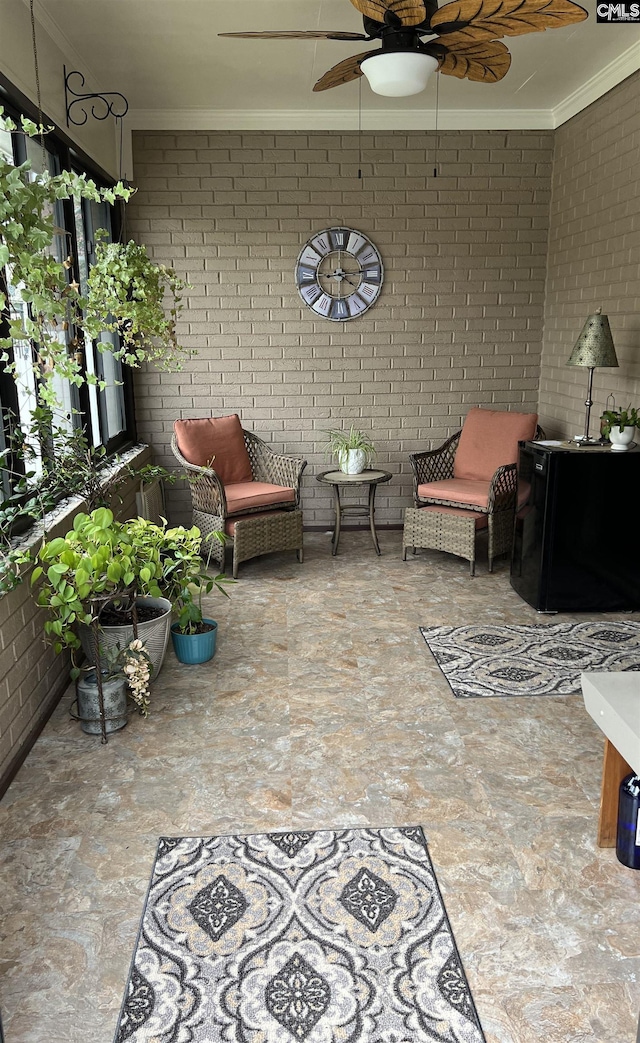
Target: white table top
613,701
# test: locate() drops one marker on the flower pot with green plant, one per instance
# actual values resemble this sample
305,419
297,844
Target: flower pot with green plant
620,426
353,450
94,575
185,580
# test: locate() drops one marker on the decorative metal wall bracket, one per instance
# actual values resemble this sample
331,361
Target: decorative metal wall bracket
105,104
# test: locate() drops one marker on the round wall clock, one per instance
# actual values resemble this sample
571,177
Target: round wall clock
339,274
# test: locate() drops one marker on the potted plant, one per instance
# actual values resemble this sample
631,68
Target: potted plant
185,581
92,577
619,426
353,451
125,294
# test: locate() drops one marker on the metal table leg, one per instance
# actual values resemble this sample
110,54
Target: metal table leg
335,539
372,512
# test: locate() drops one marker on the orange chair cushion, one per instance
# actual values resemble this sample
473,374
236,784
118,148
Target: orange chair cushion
216,442
243,495
490,439
461,490
481,520
230,524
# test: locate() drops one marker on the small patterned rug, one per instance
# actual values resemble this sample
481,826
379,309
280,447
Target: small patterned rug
335,935
536,659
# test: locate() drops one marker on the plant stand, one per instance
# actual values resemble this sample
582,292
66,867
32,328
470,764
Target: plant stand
97,608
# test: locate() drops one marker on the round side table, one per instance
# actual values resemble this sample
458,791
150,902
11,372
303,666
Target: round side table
338,480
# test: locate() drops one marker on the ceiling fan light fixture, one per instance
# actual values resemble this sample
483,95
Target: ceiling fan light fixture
397,74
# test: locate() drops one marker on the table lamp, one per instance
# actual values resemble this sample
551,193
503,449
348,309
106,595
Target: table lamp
593,349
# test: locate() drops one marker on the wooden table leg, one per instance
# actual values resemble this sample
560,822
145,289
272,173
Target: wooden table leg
614,770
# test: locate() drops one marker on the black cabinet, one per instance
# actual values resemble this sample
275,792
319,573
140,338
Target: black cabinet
576,546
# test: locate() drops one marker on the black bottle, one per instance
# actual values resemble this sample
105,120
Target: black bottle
628,839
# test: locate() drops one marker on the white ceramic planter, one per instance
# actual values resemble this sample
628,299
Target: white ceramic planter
621,439
352,461
154,633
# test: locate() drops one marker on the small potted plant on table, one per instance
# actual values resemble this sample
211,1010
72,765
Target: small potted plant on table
620,426
353,451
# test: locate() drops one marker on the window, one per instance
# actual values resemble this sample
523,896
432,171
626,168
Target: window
105,415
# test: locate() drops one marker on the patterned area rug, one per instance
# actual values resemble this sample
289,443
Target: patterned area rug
536,659
325,937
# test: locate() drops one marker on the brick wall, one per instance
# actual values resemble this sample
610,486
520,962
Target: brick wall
32,677
458,323
594,257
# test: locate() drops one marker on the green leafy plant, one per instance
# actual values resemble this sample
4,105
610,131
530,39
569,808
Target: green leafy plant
53,302
619,418
340,442
103,560
70,467
126,294
98,560
183,579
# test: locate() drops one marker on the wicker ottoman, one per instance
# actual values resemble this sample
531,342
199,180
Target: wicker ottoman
443,528
256,534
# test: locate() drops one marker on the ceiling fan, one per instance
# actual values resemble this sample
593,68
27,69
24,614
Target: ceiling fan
462,40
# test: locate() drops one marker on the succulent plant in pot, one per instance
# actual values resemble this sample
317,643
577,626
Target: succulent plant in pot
353,450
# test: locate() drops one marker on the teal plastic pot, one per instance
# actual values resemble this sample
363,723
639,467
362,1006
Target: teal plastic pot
194,648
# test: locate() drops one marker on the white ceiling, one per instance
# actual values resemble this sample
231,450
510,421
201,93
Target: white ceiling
165,56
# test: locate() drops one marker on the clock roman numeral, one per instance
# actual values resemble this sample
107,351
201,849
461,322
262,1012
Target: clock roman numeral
369,291
305,275
323,304
309,257
322,243
310,293
356,304
368,255
356,242
340,310
373,274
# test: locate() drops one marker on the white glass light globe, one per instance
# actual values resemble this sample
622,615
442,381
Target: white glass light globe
397,74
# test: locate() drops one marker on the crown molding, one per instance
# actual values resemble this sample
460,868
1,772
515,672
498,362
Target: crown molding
344,119
52,29
618,70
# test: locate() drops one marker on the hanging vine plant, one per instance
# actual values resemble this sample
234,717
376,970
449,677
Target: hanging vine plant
136,298
126,294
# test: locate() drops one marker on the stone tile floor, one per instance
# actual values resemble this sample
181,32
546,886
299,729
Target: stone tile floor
324,708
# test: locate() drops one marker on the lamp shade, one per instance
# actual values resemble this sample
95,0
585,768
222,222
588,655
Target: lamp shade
396,74
594,347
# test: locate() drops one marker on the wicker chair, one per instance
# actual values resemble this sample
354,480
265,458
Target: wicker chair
468,484
241,487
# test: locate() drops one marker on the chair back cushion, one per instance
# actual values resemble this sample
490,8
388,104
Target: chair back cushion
489,439
216,442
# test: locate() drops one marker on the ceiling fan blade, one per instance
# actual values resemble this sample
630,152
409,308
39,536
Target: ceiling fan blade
492,19
343,72
486,61
410,12
311,34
